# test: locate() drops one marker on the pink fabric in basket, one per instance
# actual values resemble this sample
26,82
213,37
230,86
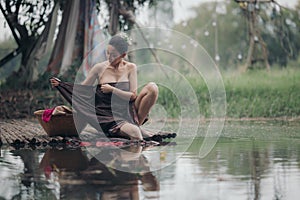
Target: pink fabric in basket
47,114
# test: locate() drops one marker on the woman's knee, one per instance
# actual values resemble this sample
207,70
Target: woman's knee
152,88
136,133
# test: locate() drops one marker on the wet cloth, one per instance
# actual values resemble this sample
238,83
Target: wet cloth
97,108
47,114
58,110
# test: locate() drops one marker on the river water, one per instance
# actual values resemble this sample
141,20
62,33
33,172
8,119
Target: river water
251,160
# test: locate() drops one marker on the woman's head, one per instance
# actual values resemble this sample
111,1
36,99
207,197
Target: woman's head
119,44
116,49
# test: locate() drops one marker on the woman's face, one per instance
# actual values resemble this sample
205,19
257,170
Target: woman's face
113,56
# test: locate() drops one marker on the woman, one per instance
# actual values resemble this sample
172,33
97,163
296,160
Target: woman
117,77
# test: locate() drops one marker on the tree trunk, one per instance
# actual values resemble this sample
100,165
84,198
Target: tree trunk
114,7
79,33
32,49
254,32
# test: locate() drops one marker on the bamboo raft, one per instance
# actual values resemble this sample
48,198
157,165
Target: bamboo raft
29,134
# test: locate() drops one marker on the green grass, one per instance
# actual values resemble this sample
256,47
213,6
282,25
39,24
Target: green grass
256,93
251,94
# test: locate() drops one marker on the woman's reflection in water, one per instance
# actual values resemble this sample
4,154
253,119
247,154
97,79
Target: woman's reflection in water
80,177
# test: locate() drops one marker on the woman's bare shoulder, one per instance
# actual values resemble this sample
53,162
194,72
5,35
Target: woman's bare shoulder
99,67
130,65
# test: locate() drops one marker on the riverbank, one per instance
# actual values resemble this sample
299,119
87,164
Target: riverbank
252,95
16,104
255,94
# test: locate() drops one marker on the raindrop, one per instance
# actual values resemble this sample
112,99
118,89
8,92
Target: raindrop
184,23
288,21
206,33
4,24
217,57
171,46
194,43
255,38
257,6
159,43
183,46
214,24
240,56
151,45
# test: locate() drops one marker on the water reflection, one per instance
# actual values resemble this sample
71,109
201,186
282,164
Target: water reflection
241,169
20,177
91,179
256,162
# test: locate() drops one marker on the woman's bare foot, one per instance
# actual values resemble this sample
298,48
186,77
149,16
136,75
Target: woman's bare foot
147,133
166,134
158,136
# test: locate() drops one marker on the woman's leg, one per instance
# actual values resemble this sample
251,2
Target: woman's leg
145,100
132,131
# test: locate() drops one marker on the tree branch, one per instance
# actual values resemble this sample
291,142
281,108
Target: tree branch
18,5
10,23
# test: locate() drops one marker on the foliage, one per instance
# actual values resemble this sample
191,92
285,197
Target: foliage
28,17
28,21
8,68
282,36
221,28
124,23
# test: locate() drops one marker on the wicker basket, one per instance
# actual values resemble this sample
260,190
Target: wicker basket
59,125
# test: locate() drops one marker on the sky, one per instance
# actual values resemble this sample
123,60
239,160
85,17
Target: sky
181,12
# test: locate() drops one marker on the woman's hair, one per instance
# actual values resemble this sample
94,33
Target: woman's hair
119,44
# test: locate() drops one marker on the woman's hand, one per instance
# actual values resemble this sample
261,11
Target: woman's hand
106,88
54,82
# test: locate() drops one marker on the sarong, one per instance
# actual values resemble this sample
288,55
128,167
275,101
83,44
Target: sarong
106,112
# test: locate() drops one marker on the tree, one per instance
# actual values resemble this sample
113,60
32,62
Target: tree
219,28
284,38
251,10
30,26
162,14
223,30
33,22
118,17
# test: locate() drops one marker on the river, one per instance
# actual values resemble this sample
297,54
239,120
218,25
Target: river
251,160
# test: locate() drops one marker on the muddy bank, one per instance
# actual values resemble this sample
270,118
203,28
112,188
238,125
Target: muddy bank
16,104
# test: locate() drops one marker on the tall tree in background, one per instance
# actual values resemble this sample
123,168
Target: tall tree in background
278,26
284,39
162,14
251,10
30,25
79,32
33,25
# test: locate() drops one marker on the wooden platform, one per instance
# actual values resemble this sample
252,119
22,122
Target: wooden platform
28,133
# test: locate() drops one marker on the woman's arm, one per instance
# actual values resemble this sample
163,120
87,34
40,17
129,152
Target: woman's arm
93,74
90,79
133,80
